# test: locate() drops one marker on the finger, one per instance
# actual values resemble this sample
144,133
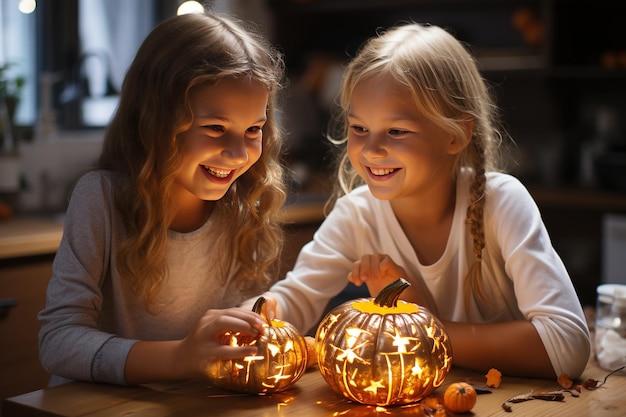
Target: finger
269,308
256,320
365,268
391,269
354,280
233,321
373,266
356,276
233,352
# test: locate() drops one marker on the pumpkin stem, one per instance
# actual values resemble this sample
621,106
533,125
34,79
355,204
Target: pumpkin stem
258,307
388,296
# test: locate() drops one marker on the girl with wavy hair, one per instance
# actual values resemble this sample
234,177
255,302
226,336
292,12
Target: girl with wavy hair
424,197
179,222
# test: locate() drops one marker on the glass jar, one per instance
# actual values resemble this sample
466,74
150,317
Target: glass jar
610,337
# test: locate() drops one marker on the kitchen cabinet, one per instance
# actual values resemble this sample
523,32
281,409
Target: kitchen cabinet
557,69
575,220
23,283
27,248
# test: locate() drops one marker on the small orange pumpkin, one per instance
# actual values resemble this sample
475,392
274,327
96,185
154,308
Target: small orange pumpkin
280,361
459,397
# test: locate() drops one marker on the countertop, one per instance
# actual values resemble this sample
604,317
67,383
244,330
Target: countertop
32,235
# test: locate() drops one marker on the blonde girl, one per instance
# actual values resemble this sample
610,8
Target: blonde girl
424,199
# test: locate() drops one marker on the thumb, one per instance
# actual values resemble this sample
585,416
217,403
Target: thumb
269,308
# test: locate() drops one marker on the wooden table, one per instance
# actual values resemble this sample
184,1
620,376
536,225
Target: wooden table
309,397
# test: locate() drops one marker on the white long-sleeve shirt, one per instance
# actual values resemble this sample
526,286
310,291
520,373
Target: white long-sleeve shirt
523,275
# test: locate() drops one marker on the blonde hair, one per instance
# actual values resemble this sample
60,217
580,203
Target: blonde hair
142,146
447,87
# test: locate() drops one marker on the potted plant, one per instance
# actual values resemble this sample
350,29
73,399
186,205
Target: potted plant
10,89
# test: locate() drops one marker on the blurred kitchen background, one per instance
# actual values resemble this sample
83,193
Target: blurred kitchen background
557,68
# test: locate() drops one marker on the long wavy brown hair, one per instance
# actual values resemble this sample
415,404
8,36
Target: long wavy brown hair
142,145
442,77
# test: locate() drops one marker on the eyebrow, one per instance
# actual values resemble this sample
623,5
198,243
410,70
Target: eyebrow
226,119
396,118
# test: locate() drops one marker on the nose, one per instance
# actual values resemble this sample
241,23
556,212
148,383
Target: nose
374,146
235,150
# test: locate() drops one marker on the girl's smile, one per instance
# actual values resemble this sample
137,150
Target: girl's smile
218,175
381,172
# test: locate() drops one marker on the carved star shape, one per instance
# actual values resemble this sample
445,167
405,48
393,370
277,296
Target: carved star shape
374,385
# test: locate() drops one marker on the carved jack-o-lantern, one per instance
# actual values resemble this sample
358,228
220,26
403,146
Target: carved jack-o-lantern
383,351
280,361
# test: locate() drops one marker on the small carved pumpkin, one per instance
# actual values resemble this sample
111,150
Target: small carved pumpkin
280,361
383,351
459,397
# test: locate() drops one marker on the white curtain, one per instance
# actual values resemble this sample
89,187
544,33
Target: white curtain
17,46
110,33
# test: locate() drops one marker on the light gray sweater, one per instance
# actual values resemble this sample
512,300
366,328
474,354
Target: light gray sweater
91,319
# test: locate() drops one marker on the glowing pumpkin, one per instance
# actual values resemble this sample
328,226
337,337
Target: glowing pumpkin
383,351
280,361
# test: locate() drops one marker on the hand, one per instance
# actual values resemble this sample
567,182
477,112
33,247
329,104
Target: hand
212,334
379,270
376,271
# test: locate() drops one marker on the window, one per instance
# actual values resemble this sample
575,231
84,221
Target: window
110,32
17,47
73,55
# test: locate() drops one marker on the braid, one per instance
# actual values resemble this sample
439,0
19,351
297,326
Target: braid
477,194
475,221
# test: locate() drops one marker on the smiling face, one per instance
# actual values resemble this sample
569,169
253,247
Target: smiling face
225,138
397,151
